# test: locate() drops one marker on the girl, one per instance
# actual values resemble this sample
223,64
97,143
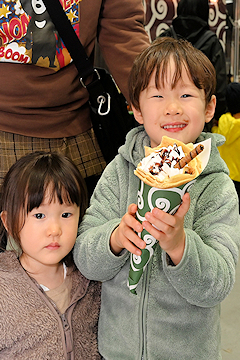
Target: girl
48,309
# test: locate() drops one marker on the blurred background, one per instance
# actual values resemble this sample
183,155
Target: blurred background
224,20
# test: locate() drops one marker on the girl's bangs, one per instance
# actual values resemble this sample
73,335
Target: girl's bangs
55,189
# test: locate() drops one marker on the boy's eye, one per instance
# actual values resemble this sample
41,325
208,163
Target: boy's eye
39,216
186,95
158,96
66,215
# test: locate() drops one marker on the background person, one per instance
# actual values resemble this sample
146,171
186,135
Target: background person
229,126
43,105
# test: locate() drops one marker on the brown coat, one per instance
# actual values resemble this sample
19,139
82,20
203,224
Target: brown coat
42,102
32,328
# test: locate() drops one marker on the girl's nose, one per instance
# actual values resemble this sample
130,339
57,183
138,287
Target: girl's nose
54,229
173,108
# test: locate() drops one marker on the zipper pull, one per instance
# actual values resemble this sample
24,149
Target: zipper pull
68,337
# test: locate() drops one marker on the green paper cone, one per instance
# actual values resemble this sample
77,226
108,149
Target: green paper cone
149,197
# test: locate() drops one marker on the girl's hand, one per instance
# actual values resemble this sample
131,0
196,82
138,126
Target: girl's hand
168,229
125,237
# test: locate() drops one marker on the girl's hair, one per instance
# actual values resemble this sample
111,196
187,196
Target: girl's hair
157,57
24,188
199,8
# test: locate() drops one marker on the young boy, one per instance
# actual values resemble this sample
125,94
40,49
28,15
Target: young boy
175,314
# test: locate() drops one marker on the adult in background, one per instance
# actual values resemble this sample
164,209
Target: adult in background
191,24
43,106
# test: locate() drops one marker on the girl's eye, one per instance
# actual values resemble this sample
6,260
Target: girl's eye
66,215
39,216
158,96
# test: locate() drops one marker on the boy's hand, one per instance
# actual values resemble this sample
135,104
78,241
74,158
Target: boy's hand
125,237
168,229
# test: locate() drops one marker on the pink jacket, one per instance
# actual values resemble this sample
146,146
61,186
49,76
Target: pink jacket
32,327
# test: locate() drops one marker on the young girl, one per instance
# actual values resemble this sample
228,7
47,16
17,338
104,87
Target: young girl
48,309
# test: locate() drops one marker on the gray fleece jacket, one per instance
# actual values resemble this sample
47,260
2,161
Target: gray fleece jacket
176,312
32,328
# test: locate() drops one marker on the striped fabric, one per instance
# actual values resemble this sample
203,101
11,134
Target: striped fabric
83,149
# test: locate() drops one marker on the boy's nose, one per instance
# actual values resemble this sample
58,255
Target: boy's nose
173,108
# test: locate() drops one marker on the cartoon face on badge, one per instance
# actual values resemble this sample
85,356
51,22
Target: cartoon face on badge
38,7
41,36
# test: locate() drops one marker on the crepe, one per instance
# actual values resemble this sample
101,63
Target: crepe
180,177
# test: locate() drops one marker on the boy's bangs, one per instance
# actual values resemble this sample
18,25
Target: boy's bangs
158,62
162,69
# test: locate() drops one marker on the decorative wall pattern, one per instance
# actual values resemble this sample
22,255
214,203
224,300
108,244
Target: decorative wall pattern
159,15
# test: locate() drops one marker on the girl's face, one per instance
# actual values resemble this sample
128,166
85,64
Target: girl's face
179,113
49,233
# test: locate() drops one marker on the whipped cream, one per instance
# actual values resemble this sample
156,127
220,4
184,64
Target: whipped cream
161,162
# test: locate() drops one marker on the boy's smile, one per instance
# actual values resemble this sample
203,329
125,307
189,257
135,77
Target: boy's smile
179,112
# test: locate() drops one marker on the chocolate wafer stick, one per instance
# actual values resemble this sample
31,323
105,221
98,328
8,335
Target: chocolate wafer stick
190,156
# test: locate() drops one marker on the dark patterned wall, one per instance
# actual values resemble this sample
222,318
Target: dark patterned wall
159,15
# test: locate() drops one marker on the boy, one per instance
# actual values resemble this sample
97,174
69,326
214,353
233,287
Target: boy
175,314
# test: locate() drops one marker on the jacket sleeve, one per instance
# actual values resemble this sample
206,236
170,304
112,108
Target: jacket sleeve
206,272
101,218
122,37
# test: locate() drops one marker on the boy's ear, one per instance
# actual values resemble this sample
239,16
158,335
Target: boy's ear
210,109
4,219
137,114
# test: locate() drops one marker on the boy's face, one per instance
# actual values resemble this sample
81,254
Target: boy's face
179,113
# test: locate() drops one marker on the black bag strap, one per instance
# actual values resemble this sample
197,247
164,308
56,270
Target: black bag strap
199,43
79,56
174,34
204,38
70,38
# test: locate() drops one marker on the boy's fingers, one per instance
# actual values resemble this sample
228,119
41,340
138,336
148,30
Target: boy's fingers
132,209
131,220
183,209
135,246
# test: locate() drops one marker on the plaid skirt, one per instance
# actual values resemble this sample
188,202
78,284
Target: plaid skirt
82,149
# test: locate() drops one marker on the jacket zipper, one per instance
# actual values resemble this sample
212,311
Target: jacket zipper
65,324
62,317
143,311
68,336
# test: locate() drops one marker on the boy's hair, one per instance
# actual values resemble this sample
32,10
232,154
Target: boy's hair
26,182
157,57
